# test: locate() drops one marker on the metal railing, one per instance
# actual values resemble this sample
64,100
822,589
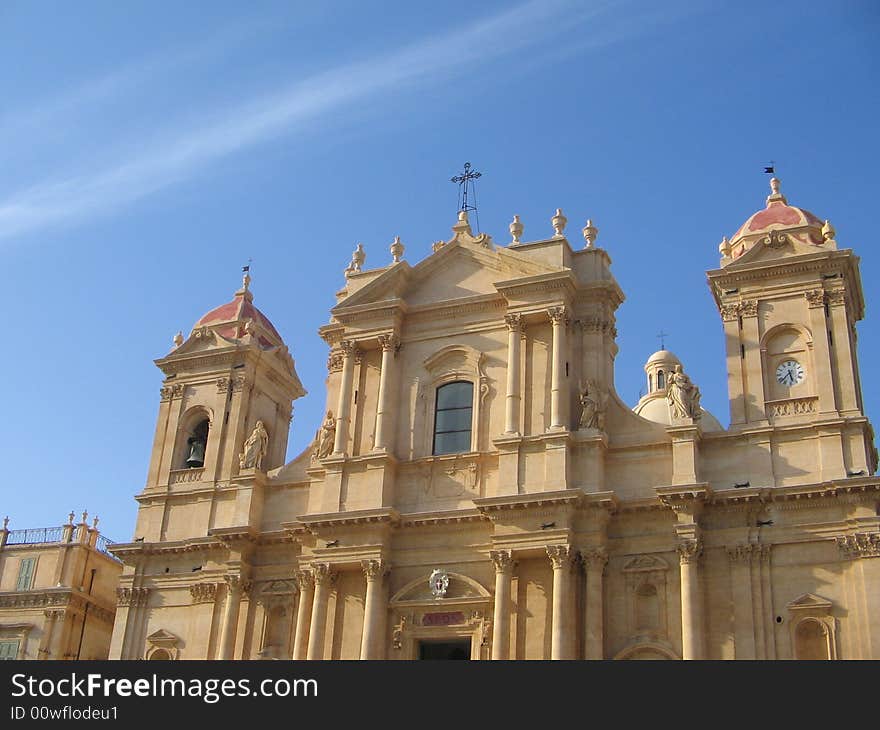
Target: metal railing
35,535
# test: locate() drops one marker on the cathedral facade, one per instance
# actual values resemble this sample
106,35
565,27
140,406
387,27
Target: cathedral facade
478,489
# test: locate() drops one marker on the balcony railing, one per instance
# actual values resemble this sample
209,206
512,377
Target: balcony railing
35,535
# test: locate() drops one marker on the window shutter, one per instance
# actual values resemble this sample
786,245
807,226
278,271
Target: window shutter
8,650
25,574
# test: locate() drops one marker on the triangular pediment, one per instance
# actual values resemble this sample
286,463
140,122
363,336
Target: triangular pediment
454,271
809,601
645,563
163,638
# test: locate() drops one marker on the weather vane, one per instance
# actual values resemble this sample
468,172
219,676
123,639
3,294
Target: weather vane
465,181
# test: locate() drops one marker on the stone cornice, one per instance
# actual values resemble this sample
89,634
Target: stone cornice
132,550
61,598
422,519
314,522
390,309
561,281
488,505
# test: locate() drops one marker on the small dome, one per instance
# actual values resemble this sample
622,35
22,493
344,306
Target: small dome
663,356
780,215
230,320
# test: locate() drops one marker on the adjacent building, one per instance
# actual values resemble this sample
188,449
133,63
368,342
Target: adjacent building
478,489
57,592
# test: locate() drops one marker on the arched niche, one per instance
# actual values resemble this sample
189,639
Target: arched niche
813,628
647,650
782,344
195,424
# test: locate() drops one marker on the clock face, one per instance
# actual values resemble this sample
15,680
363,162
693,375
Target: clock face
790,372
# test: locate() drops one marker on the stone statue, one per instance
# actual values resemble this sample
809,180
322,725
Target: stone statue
357,260
592,407
326,436
255,448
683,395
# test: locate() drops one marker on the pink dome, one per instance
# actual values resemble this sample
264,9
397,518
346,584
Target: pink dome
229,320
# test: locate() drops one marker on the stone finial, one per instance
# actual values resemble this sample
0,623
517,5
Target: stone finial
397,249
828,232
358,257
516,229
246,281
724,248
70,518
249,327
85,516
774,192
463,225
591,233
558,221
178,339
437,245
5,522
95,523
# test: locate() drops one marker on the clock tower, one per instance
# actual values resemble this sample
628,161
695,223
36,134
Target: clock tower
790,299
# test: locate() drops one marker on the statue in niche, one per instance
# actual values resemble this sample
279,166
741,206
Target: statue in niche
592,407
683,395
255,448
326,436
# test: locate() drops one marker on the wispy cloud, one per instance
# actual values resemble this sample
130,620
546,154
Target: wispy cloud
184,152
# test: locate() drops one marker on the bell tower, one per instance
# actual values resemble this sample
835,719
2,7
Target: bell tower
224,415
789,300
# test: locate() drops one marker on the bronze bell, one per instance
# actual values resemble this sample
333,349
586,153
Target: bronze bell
196,456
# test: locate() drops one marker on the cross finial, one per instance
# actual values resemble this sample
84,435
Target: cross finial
662,337
465,182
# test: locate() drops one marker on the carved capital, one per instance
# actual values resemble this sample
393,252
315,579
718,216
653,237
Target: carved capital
689,550
237,584
594,559
334,362
305,580
389,343
730,312
743,554
836,297
132,596
560,555
223,385
859,545
815,298
53,614
203,592
324,575
238,383
514,322
558,315
503,561
374,569
349,348
171,391
749,308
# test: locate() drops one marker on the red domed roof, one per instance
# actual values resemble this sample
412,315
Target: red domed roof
229,319
778,214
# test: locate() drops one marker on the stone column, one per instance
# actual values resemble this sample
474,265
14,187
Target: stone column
229,628
514,335
594,640
372,639
324,578
558,389
560,557
343,410
48,648
823,377
305,581
385,408
754,375
504,565
691,625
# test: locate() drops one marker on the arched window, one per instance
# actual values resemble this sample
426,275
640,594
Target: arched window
661,380
195,445
650,383
453,418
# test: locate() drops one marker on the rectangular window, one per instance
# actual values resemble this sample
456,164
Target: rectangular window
25,574
9,649
453,417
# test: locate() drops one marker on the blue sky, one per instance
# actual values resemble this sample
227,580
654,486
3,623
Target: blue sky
148,150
